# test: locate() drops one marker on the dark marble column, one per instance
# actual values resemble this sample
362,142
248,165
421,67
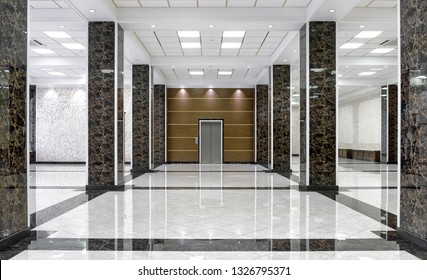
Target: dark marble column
141,118
32,123
282,118
105,99
318,106
413,180
389,128
159,124
13,96
262,124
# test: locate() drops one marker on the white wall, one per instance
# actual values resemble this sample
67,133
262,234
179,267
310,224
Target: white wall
61,124
360,124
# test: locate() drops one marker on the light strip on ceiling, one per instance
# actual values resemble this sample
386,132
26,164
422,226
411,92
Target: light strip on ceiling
233,34
351,45
191,45
231,45
57,34
382,50
189,34
368,34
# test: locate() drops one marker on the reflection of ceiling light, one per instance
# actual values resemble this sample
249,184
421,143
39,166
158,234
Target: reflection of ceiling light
294,50
190,45
57,34
225,73
196,73
367,73
351,45
270,26
285,60
368,34
233,34
382,50
42,51
317,70
92,11
211,26
422,77
332,11
173,66
153,26
231,45
376,69
56,73
189,34
73,46
340,75
249,66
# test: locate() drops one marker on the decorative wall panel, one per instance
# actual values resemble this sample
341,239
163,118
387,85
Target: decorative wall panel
186,106
159,124
61,131
392,123
32,123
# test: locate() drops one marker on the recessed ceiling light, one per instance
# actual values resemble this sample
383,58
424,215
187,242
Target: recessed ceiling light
368,34
92,11
362,26
351,45
231,45
249,66
347,66
173,66
128,51
62,26
332,11
270,26
382,50
294,50
385,66
233,34
196,73
56,73
189,34
57,34
367,73
73,46
190,45
153,26
225,73
42,51
211,26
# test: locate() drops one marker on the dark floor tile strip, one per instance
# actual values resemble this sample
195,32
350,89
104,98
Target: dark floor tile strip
367,188
23,244
51,212
211,188
212,171
380,215
223,245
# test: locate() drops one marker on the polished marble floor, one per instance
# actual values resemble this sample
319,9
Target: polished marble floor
230,211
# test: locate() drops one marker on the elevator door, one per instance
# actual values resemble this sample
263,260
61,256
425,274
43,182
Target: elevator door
210,147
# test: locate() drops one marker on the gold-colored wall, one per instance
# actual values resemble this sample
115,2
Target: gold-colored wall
187,106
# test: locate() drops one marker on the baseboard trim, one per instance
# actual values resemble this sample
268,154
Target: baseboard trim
315,188
412,238
14,238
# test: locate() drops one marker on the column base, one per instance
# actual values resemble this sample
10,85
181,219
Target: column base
412,238
108,187
314,188
14,238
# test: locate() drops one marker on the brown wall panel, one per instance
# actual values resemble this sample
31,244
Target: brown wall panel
187,106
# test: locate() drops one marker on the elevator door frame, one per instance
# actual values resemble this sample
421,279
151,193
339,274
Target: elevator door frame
221,121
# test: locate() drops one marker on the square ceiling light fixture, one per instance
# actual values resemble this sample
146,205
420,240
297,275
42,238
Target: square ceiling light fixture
351,45
189,34
224,73
190,45
233,34
382,50
43,51
196,72
368,34
57,34
73,46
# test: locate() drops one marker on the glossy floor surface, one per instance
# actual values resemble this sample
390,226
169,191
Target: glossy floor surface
214,212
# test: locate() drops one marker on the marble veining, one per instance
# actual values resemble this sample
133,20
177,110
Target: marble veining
159,124
13,126
392,123
262,124
32,123
61,131
413,118
140,116
384,124
101,93
282,117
